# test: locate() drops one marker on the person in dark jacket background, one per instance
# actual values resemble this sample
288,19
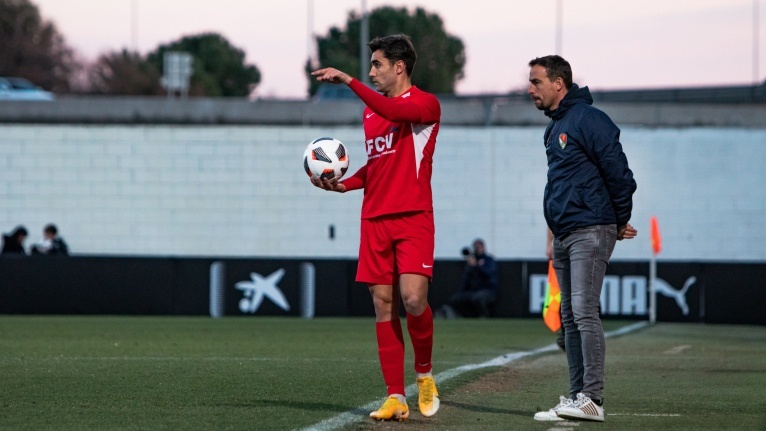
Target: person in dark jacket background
478,288
587,205
52,243
13,243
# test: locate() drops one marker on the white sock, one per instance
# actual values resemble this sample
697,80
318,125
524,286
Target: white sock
399,397
421,375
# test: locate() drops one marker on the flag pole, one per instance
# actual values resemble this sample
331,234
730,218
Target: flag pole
652,292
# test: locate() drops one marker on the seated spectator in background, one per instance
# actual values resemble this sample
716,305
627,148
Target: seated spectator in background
51,244
478,289
13,243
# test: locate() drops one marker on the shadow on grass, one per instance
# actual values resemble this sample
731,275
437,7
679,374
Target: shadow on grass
300,405
486,409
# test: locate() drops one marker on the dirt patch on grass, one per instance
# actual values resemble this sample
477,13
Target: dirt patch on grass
488,401
518,375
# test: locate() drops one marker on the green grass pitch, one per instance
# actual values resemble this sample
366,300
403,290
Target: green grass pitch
196,373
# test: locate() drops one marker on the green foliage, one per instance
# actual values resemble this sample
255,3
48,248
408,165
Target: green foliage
32,48
219,68
124,73
441,56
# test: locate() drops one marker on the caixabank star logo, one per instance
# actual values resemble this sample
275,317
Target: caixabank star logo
260,287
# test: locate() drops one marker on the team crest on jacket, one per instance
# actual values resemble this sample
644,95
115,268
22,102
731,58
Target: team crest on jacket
563,140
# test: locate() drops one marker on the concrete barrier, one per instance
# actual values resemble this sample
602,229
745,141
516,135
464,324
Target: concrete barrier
479,111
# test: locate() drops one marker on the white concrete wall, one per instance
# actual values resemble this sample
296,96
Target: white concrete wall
241,190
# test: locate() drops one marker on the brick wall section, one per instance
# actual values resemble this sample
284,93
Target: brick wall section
241,190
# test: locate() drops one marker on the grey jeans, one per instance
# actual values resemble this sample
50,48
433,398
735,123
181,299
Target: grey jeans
580,259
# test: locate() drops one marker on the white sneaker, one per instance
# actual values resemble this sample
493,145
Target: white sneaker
583,408
553,414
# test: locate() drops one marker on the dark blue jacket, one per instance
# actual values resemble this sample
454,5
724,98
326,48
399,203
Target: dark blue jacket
589,181
483,276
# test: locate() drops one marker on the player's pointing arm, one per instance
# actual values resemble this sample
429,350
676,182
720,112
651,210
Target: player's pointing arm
332,75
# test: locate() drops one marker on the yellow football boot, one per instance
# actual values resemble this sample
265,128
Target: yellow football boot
428,396
392,409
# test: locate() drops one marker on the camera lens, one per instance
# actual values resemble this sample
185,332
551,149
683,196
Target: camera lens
466,251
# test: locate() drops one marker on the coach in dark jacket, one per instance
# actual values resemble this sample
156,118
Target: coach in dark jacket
589,182
587,205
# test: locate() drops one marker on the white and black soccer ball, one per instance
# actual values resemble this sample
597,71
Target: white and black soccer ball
325,158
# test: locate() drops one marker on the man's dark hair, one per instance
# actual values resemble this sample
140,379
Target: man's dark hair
555,67
51,229
396,47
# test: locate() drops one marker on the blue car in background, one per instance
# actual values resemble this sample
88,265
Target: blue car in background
22,89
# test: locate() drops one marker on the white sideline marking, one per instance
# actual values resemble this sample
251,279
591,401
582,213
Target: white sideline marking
565,426
678,349
569,425
346,418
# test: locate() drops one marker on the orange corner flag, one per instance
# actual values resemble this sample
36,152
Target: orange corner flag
552,307
655,234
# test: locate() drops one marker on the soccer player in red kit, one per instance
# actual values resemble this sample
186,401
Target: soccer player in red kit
396,254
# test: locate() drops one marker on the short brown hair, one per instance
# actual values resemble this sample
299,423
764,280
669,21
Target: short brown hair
555,67
396,47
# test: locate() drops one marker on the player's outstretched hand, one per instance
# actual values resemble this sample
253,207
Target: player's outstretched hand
332,185
626,232
329,74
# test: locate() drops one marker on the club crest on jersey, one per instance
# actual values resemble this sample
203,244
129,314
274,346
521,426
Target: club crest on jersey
563,140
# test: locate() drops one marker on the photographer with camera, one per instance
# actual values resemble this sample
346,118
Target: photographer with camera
478,288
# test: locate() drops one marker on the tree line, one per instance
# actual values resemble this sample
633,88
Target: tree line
33,48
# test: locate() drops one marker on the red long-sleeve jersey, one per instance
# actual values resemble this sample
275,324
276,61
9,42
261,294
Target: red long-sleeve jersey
400,138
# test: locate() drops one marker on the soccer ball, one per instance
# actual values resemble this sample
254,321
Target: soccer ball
325,158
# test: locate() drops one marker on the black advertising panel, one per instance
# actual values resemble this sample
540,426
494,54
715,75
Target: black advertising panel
98,285
286,287
685,291
625,291
734,293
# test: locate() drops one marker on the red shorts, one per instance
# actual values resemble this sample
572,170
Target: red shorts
396,244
